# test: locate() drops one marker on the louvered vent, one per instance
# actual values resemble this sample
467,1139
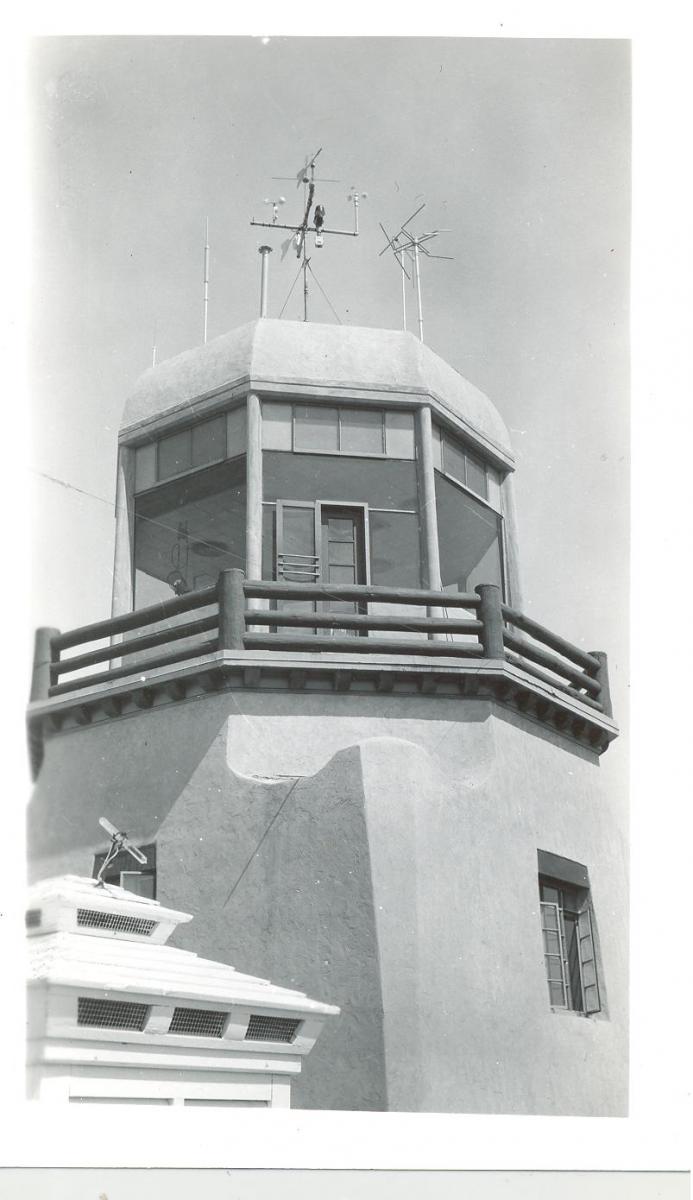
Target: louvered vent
118,922
33,918
198,1022
111,1014
271,1029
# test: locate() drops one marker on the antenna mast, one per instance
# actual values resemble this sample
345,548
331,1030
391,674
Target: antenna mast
408,243
206,284
306,176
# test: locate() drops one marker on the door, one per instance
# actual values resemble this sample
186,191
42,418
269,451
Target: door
342,556
319,542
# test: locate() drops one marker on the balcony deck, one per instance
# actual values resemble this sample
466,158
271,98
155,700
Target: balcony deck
485,650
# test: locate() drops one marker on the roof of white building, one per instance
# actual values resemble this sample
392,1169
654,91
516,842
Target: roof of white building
97,938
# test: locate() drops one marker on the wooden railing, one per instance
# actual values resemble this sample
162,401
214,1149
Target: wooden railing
494,632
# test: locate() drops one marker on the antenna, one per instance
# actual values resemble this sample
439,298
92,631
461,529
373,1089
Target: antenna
119,841
306,176
398,251
406,242
206,291
354,198
275,207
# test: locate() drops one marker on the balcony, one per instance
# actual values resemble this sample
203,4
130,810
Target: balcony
250,634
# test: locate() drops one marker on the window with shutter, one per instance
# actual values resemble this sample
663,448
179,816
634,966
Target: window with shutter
568,938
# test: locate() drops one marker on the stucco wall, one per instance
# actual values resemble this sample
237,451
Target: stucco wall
381,854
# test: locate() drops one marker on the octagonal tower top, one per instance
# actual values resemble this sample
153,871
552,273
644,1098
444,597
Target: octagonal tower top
302,360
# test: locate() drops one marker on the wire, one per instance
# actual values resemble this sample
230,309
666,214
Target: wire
325,294
255,851
293,285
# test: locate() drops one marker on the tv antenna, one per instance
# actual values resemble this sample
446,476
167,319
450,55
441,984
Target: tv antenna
306,176
119,841
413,245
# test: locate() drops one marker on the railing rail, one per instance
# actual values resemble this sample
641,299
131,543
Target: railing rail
494,631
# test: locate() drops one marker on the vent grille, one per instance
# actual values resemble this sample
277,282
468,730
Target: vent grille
111,1014
198,1022
271,1029
119,922
33,918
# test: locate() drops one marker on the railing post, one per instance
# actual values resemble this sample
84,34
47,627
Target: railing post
231,609
41,672
602,677
491,616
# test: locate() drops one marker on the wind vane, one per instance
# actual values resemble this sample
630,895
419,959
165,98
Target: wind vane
305,176
406,242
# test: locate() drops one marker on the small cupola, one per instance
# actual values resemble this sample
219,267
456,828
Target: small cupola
115,1014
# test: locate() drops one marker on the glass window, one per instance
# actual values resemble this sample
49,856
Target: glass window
395,549
236,438
569,952
454,460
175,454
476,476
209,442
493,480
469,536
276,426
399,434
315,427
145,467
381,483
189,531
437,447
361,431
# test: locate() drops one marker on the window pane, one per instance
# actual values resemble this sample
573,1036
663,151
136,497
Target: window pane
175,454
437,447
189,529
557,995
299,531
361,431
399,435
341,552
209,442
454,460
552,942
395,550
493,480
315,427
145,467
341,575
276,426
236,431
469,539
381,483
476,476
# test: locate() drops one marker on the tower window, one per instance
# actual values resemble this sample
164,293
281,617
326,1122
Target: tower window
568,936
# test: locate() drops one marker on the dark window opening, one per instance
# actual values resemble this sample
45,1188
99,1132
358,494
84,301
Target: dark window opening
126,873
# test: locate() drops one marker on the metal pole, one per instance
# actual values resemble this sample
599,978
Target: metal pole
418,287
404,302
305,285
264,252
206,289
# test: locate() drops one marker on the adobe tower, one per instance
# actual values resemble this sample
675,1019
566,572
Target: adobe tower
320,711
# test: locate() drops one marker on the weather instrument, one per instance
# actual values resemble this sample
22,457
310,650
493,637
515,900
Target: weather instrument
119,841
312,221
412,245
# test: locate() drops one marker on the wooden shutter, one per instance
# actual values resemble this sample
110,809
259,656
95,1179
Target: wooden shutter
588,962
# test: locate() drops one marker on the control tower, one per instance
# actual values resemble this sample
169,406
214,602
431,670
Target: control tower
319,709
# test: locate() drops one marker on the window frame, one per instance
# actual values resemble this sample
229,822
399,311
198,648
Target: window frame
577,893
341,408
